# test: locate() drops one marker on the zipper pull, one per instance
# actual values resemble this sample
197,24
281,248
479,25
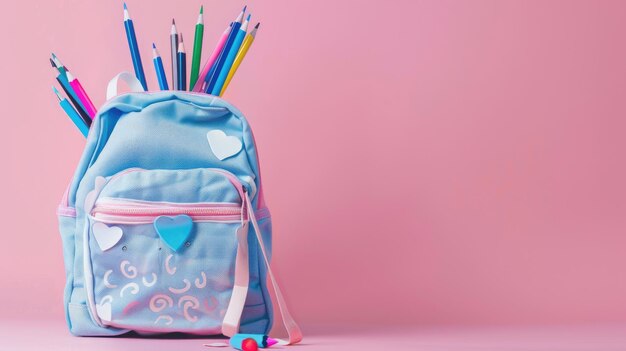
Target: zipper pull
244,204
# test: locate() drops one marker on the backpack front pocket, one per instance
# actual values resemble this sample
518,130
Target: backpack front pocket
162,249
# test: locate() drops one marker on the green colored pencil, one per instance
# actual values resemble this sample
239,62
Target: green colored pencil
197,50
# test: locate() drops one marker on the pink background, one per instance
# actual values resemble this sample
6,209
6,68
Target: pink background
426,162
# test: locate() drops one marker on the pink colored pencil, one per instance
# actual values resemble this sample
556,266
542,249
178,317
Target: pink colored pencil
82,95
211,60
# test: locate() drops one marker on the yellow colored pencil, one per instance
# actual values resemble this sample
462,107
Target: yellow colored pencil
247,42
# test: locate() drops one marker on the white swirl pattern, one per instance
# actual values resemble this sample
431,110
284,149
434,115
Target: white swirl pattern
105,280
170,270
149,284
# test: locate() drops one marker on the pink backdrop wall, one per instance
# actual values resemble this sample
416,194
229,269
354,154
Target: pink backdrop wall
425,161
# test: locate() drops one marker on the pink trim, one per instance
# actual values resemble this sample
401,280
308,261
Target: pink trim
126,171
231,177
66,211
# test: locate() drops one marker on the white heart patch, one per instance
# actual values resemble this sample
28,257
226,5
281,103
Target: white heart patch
104,311
222,145
106,236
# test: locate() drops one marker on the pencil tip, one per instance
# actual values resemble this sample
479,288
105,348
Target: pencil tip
257,25
126,15
180,37
249,15
56,93
153,46
244,8
173,22
53,55
201,9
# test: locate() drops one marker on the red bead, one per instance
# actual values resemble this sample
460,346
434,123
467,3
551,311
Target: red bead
249,345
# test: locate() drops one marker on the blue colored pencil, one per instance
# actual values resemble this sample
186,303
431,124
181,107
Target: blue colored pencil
214,72
134,48
182,65
158,68
71,112
230,58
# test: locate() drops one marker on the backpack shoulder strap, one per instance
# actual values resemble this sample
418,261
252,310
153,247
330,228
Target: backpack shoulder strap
232,320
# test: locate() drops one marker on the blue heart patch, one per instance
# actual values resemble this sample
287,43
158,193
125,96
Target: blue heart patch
174,231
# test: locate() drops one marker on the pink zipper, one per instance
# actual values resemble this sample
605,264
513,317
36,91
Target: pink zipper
125,203
142,212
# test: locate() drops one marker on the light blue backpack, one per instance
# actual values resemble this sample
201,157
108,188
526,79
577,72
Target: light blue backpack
164,226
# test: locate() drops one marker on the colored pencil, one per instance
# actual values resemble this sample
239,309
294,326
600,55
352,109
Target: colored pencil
158,68
62,79
214,77
174,52
200,83
230,58
134,48
197,49
182,65
82,95
217,67
240,56
71,113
